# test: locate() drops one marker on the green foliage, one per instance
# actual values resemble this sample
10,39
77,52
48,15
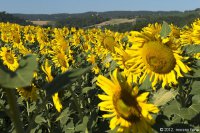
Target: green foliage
22,76
163,96
40,119
146,85
191,49
165,30
179,113
80,22
5,17
64,80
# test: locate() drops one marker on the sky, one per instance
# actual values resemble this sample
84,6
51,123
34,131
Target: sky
80,6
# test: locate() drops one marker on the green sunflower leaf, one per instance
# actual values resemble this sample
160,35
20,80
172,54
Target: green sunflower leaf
22,76
165,30
180,113
82,127
39,119
195,88
113,65
146,85
64,80
163,96
191,49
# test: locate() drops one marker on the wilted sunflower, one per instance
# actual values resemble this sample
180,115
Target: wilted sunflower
9,58
128,109
160,58
28,92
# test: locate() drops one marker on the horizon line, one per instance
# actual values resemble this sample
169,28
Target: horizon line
103,11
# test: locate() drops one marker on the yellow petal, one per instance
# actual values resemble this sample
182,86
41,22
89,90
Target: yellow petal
105,97
57,102
108,115
142,97
182,66
113,123
105,103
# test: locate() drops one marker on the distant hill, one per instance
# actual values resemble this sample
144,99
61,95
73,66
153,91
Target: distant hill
106,15
114,20
5,17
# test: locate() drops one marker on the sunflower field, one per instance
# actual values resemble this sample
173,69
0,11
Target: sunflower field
68,80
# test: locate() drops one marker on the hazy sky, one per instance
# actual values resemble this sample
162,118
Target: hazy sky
78,6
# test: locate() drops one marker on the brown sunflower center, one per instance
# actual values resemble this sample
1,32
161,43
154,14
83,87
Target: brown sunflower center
62,61
27,89
85,47
126,106
158,57
9,58
29,38
109,43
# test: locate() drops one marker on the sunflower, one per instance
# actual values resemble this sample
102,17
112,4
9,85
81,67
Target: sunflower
128,110
91,58
56,100
29,38
191,34
28,92
108,40
61,60
196,31
9,58
185,35
160,58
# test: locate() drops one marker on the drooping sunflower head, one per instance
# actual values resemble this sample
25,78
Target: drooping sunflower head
29,92
9,58
128,109
158,57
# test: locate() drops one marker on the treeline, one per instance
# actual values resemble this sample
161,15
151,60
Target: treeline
90,19
80,22
143,18
5,17
105,15
178,20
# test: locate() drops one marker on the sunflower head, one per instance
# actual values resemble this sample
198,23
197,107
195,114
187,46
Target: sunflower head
9,58
196,31
158,57
127,108
61,60
109,42
29,92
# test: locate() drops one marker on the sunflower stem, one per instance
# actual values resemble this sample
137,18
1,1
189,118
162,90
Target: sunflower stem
42,106
14,110
27,108
75,99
